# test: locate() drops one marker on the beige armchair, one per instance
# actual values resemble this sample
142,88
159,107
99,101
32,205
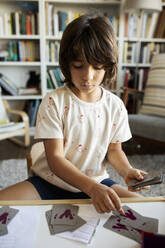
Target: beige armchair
15,129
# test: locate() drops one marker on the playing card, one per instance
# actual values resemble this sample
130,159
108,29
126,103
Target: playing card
7,214
137,221
149,179
56,228
64,214
149,225
114,224
131,217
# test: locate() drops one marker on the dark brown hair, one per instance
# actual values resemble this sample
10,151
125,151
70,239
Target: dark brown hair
91,37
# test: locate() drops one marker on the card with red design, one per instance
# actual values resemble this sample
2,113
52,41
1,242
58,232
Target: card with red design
64,214
62,218
6,215
132,224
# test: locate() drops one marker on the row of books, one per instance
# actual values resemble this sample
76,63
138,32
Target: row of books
130,52
23,51
31,108
9,87
133,80
140,24
55,78
16,23
52,51
147,50
57,20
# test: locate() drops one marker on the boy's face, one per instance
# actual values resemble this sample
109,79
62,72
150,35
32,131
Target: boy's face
86,77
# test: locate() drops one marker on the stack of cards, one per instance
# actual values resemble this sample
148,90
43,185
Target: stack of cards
62,218
6,215
131,225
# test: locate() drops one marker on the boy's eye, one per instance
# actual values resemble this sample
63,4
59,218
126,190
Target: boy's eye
77,66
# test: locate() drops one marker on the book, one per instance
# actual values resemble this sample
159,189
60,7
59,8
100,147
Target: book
144,25
151,30
160,25
132,25
138,23
149,20
7,23
129,53
28,91
125,52
23,23
49,16
55,22
8,85
140,81
13,25
49,81
28,24
34,112
126,16
17,25
53,78
62,18
58,76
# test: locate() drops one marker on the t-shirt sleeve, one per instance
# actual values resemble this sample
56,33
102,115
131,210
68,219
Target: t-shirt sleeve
122,131
48,124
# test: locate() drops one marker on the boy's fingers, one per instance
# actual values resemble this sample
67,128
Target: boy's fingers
116,201
109,205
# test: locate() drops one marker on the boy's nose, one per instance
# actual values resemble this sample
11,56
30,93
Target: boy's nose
88,73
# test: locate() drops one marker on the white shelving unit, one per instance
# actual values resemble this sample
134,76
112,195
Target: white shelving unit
18,71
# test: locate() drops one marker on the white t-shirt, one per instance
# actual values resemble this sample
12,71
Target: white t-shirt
87,129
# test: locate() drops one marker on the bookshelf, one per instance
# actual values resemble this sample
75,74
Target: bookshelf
47,41
143,36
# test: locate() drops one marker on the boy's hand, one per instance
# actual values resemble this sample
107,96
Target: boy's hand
135,174
105,199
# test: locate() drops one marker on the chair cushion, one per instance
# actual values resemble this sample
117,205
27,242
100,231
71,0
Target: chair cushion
152,127
154,94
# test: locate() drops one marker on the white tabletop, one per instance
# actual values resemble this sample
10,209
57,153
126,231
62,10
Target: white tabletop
103,238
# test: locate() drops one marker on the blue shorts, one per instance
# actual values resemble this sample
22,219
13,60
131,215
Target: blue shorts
48,191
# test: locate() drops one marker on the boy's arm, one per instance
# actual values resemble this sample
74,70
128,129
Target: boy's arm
103,198
120,163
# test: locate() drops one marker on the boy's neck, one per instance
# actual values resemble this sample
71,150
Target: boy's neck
92,96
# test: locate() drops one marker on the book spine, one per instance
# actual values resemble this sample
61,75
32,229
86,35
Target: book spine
55,23
53,78
50,9
49,82
34,113
17,24
28,24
